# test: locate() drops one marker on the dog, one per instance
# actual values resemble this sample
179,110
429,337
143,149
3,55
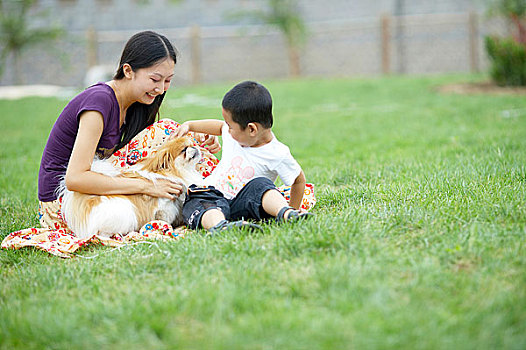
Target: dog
88,215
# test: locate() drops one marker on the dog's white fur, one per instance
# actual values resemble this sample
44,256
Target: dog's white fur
88,215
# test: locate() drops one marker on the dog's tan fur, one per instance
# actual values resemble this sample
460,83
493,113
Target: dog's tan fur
167,162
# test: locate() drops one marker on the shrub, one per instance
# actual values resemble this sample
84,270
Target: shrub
508,61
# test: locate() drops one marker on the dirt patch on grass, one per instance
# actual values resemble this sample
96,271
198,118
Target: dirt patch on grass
488,88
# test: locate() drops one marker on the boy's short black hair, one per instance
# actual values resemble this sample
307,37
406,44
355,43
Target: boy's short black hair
249,102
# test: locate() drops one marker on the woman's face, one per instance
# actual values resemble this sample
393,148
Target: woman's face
152,81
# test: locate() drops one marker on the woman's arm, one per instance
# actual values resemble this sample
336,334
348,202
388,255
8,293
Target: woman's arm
80,178
297,190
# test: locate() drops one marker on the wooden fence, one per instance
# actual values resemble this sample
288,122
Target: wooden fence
417,44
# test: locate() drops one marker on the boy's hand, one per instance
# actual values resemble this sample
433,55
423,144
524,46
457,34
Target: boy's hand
203,139
181,131
211,141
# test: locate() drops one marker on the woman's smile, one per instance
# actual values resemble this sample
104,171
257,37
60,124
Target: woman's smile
151,95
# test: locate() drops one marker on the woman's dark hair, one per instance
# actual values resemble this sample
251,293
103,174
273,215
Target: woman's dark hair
142,50
249,102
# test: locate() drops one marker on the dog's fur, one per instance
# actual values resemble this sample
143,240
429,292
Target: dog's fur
87,215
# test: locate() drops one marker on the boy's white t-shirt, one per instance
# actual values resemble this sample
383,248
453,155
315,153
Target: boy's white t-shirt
239,165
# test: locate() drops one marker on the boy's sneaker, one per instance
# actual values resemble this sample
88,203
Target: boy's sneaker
294,215
227,225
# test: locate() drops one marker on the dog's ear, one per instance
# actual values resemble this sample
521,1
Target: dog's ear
156,162
164,158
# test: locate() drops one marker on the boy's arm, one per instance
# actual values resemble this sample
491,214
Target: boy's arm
206,126
296,191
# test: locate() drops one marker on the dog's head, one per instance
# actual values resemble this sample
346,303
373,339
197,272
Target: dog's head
174,156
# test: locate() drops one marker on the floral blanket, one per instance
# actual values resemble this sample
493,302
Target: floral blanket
62,242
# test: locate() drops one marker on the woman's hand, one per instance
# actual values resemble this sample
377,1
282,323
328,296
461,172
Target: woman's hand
163,188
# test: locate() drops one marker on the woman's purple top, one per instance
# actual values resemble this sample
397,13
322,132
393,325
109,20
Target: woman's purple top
99,97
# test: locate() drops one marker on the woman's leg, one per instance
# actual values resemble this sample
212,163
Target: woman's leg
50,215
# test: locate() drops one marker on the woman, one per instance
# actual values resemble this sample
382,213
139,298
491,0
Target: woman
103,118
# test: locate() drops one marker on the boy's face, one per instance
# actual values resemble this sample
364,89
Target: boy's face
243,137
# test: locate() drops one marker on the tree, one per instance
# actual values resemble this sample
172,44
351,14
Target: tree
285,16
508,55
16,34
515,12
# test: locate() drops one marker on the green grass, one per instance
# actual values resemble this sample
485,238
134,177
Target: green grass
418,240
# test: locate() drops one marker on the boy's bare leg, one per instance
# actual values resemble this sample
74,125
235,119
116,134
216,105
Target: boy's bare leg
211,218
272,201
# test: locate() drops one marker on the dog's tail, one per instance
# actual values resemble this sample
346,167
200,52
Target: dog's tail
61,189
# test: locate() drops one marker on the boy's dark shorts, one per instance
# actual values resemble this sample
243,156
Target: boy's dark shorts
246,205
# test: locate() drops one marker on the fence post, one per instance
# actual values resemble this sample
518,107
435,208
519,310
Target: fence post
386,43
473,42
195,49
92,55
400,35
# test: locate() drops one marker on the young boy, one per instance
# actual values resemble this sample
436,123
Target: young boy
242,185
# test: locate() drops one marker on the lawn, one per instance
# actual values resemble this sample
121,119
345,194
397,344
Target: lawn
418,240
